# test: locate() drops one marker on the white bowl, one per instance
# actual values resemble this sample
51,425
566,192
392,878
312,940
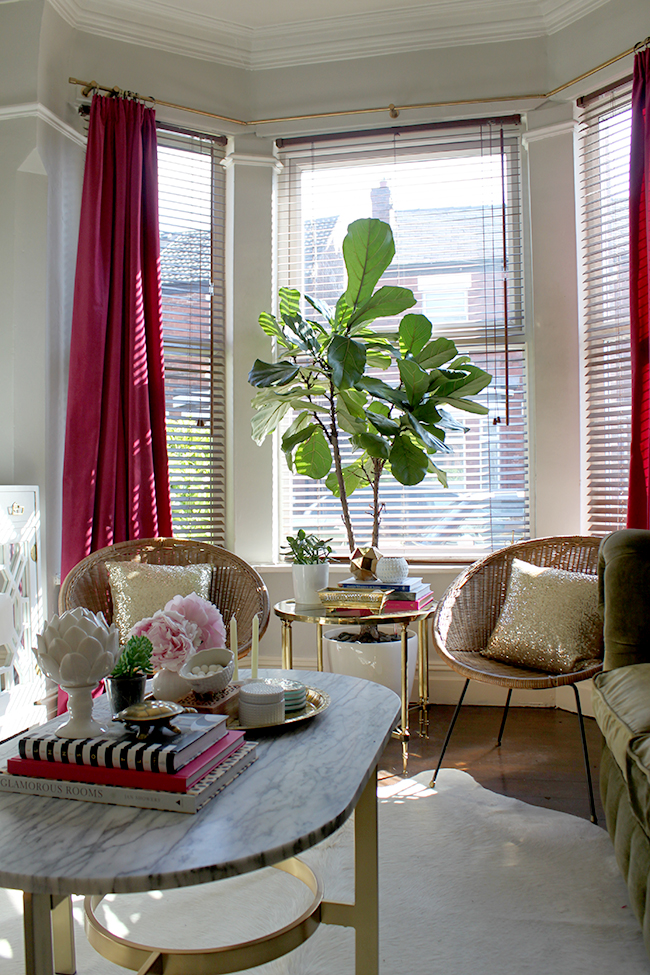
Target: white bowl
209,683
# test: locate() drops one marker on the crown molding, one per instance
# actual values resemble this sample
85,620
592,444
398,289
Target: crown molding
550,131
39,111
440,23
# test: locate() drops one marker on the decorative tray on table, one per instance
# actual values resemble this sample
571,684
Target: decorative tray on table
317,702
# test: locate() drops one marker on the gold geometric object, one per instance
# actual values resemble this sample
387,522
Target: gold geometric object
363,564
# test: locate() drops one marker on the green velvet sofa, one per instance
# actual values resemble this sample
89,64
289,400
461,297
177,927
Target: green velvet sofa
621,701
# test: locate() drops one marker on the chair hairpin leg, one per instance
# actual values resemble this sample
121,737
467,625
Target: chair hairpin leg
448,735
505,715
592,805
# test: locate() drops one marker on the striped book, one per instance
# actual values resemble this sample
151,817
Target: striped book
181,781
164,752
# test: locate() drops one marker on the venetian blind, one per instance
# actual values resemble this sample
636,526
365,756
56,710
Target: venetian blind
604,178
191,192
452,194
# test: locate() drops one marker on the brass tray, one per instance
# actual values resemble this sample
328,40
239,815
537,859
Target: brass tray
340,598
317,702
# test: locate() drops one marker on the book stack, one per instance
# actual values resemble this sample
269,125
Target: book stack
179,771
412,595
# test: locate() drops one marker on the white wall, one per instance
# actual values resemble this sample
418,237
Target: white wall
40,181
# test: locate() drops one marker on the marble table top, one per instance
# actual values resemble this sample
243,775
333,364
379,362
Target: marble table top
305,783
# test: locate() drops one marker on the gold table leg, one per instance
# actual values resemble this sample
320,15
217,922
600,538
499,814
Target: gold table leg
49,935
363,915
319,646
423,676
287,645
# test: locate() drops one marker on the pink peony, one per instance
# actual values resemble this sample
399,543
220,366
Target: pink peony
172,638
206,617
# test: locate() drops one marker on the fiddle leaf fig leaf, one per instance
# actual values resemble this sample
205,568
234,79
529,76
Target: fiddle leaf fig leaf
272,373
415,379
368,249
289,302
386,302
436,353
321,307
347,360
438,471
430,441
383,423
408,463
414,333
313,458
374,445
267,419
291,440
382,390
353,477
270,327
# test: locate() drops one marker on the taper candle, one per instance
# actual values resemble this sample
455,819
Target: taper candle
233,646
255,646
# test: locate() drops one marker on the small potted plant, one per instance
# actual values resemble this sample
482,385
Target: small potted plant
309,555
125,684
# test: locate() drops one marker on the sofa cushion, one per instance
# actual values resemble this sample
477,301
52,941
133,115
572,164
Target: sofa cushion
638,780
621,701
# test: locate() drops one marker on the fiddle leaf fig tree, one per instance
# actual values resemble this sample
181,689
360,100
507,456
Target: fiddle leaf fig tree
327,375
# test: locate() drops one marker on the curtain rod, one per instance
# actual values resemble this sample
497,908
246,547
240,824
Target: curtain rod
393,110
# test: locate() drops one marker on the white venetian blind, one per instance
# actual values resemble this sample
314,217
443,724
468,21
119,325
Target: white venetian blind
604,174
191,209
452,195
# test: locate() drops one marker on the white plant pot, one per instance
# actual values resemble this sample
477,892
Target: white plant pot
307,580
379,662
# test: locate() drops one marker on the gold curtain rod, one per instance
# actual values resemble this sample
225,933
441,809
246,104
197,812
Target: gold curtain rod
393,110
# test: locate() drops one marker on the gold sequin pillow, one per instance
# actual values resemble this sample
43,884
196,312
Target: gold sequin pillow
549,621
138,589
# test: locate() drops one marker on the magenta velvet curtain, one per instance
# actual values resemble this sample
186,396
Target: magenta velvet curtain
638,510
115,473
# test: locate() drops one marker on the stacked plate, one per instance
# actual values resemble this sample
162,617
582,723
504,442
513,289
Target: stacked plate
295,694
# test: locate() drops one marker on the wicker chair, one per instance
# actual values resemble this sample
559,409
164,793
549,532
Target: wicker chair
237,589
467,614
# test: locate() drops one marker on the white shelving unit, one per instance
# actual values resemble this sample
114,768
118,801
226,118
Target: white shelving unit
20,577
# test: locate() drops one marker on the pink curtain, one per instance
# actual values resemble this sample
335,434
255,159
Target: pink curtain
638,510
115,472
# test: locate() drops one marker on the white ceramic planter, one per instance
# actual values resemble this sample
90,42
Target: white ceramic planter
307,580
379,662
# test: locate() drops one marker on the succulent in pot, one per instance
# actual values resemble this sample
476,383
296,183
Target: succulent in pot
310,571
126,683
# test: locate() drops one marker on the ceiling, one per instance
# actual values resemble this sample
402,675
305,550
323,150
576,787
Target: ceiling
256,34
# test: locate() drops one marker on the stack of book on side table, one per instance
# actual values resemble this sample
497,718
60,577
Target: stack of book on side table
179,771
411,596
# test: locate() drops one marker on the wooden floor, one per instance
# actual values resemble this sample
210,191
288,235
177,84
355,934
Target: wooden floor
540,760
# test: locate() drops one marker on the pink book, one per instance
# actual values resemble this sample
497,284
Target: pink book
181,781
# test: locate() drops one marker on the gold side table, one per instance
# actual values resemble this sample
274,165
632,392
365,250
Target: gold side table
289,613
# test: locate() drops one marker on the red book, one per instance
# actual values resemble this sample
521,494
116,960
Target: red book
181,781
408,605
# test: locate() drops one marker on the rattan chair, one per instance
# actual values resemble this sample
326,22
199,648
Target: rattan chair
467,614
237,589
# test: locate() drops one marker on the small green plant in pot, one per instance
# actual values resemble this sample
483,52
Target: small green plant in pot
126,683
309,555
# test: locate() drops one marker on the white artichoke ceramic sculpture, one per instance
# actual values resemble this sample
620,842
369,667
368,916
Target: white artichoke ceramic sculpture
77,650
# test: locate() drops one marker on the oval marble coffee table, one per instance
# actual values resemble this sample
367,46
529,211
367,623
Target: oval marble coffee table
306,782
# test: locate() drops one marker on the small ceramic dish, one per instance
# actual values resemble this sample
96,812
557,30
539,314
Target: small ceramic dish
210,682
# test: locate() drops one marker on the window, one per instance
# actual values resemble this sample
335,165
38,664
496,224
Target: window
604,193
452,195
191,209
